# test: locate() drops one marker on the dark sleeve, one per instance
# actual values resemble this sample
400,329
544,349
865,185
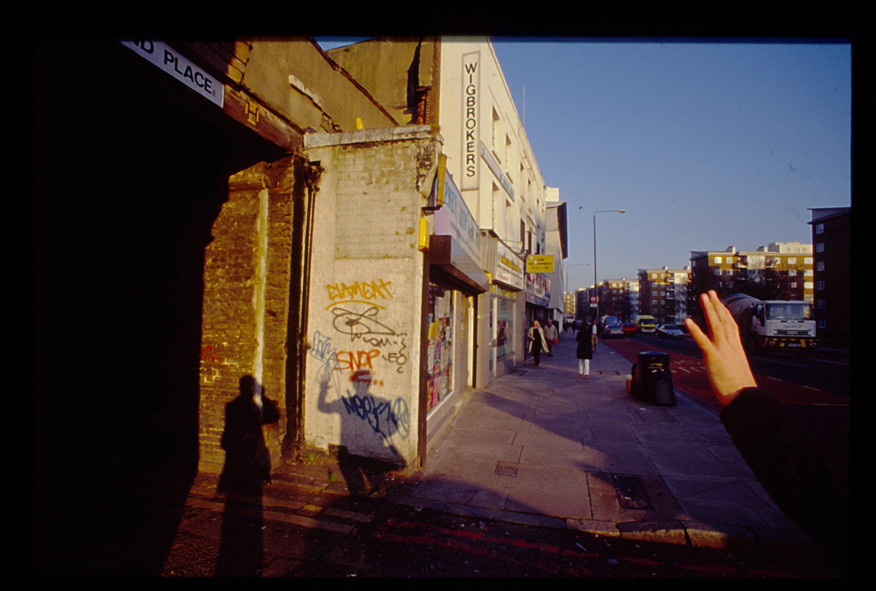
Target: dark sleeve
800,455
270,412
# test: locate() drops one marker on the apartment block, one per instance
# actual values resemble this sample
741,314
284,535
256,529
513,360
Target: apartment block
778,271
831,237
663,294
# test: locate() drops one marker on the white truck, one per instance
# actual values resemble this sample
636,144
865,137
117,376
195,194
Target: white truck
773,324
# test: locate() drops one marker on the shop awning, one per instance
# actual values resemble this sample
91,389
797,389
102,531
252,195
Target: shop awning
447,254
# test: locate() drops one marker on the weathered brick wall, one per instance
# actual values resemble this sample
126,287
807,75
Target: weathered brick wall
365,293
246,299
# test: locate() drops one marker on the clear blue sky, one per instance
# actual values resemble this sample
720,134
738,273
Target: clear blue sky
704,145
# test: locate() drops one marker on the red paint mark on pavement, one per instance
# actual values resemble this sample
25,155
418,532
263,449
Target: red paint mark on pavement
451,538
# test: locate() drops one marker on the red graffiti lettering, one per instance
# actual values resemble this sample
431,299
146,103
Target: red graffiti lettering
356,360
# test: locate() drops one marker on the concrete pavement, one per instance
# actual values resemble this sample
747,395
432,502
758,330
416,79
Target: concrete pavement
542,446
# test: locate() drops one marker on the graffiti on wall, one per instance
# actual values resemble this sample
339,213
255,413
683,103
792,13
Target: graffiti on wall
385,418
360,355
212,364
361,291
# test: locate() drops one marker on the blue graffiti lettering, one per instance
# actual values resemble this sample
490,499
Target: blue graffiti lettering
397,417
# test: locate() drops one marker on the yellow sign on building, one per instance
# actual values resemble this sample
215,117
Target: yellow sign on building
540,263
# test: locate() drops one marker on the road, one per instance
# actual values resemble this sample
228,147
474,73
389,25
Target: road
819,380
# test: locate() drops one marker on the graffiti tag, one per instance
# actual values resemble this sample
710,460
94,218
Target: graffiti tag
366,290
384,418
360,324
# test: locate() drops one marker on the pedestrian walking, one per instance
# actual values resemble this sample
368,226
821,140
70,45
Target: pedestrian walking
585,350
537,342
551,336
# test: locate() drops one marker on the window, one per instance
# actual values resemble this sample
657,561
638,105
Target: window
819,247
793,285
819,285
792,273
807,261
819,228
807,285
728,272
820,304
792,260
822,323
718,272
717,260
819,266
495,131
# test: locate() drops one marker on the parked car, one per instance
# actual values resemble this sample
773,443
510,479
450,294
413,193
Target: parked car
628,328
669,331
613,330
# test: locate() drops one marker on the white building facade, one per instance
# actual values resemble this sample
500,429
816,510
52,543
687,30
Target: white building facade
489,156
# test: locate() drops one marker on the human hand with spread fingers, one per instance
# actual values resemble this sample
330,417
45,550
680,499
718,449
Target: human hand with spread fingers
723,354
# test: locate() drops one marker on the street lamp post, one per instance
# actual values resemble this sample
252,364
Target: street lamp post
595,279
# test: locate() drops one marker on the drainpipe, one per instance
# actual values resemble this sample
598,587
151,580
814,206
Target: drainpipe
308,173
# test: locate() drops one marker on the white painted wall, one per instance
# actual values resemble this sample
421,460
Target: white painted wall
365,301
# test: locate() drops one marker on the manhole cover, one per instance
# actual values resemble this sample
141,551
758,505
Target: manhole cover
505,469
631,492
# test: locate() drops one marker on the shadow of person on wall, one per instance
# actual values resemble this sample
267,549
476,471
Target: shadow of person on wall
365,416
247,468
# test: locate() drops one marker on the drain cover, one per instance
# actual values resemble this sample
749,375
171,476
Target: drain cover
631,492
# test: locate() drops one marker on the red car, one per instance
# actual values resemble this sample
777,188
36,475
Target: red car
628,327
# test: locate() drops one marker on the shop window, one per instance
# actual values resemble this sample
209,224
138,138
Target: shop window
440,352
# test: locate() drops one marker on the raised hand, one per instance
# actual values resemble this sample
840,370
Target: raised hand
724,356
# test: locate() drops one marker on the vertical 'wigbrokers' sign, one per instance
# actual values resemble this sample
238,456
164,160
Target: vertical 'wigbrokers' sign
470,105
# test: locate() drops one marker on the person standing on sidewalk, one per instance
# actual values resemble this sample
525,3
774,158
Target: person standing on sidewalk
537,342
585,350
551,335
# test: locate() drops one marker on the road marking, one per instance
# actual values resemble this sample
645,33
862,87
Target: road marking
834,362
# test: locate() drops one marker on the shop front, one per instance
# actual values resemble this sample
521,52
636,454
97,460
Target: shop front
456,279
507,287
538,298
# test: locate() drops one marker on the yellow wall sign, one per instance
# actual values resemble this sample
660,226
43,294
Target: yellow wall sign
540,263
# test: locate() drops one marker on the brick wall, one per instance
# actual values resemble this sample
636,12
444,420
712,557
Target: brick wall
246,301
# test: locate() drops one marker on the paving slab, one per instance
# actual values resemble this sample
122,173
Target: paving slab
549,448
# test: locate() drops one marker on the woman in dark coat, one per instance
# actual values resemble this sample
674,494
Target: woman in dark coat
537,342
585,349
